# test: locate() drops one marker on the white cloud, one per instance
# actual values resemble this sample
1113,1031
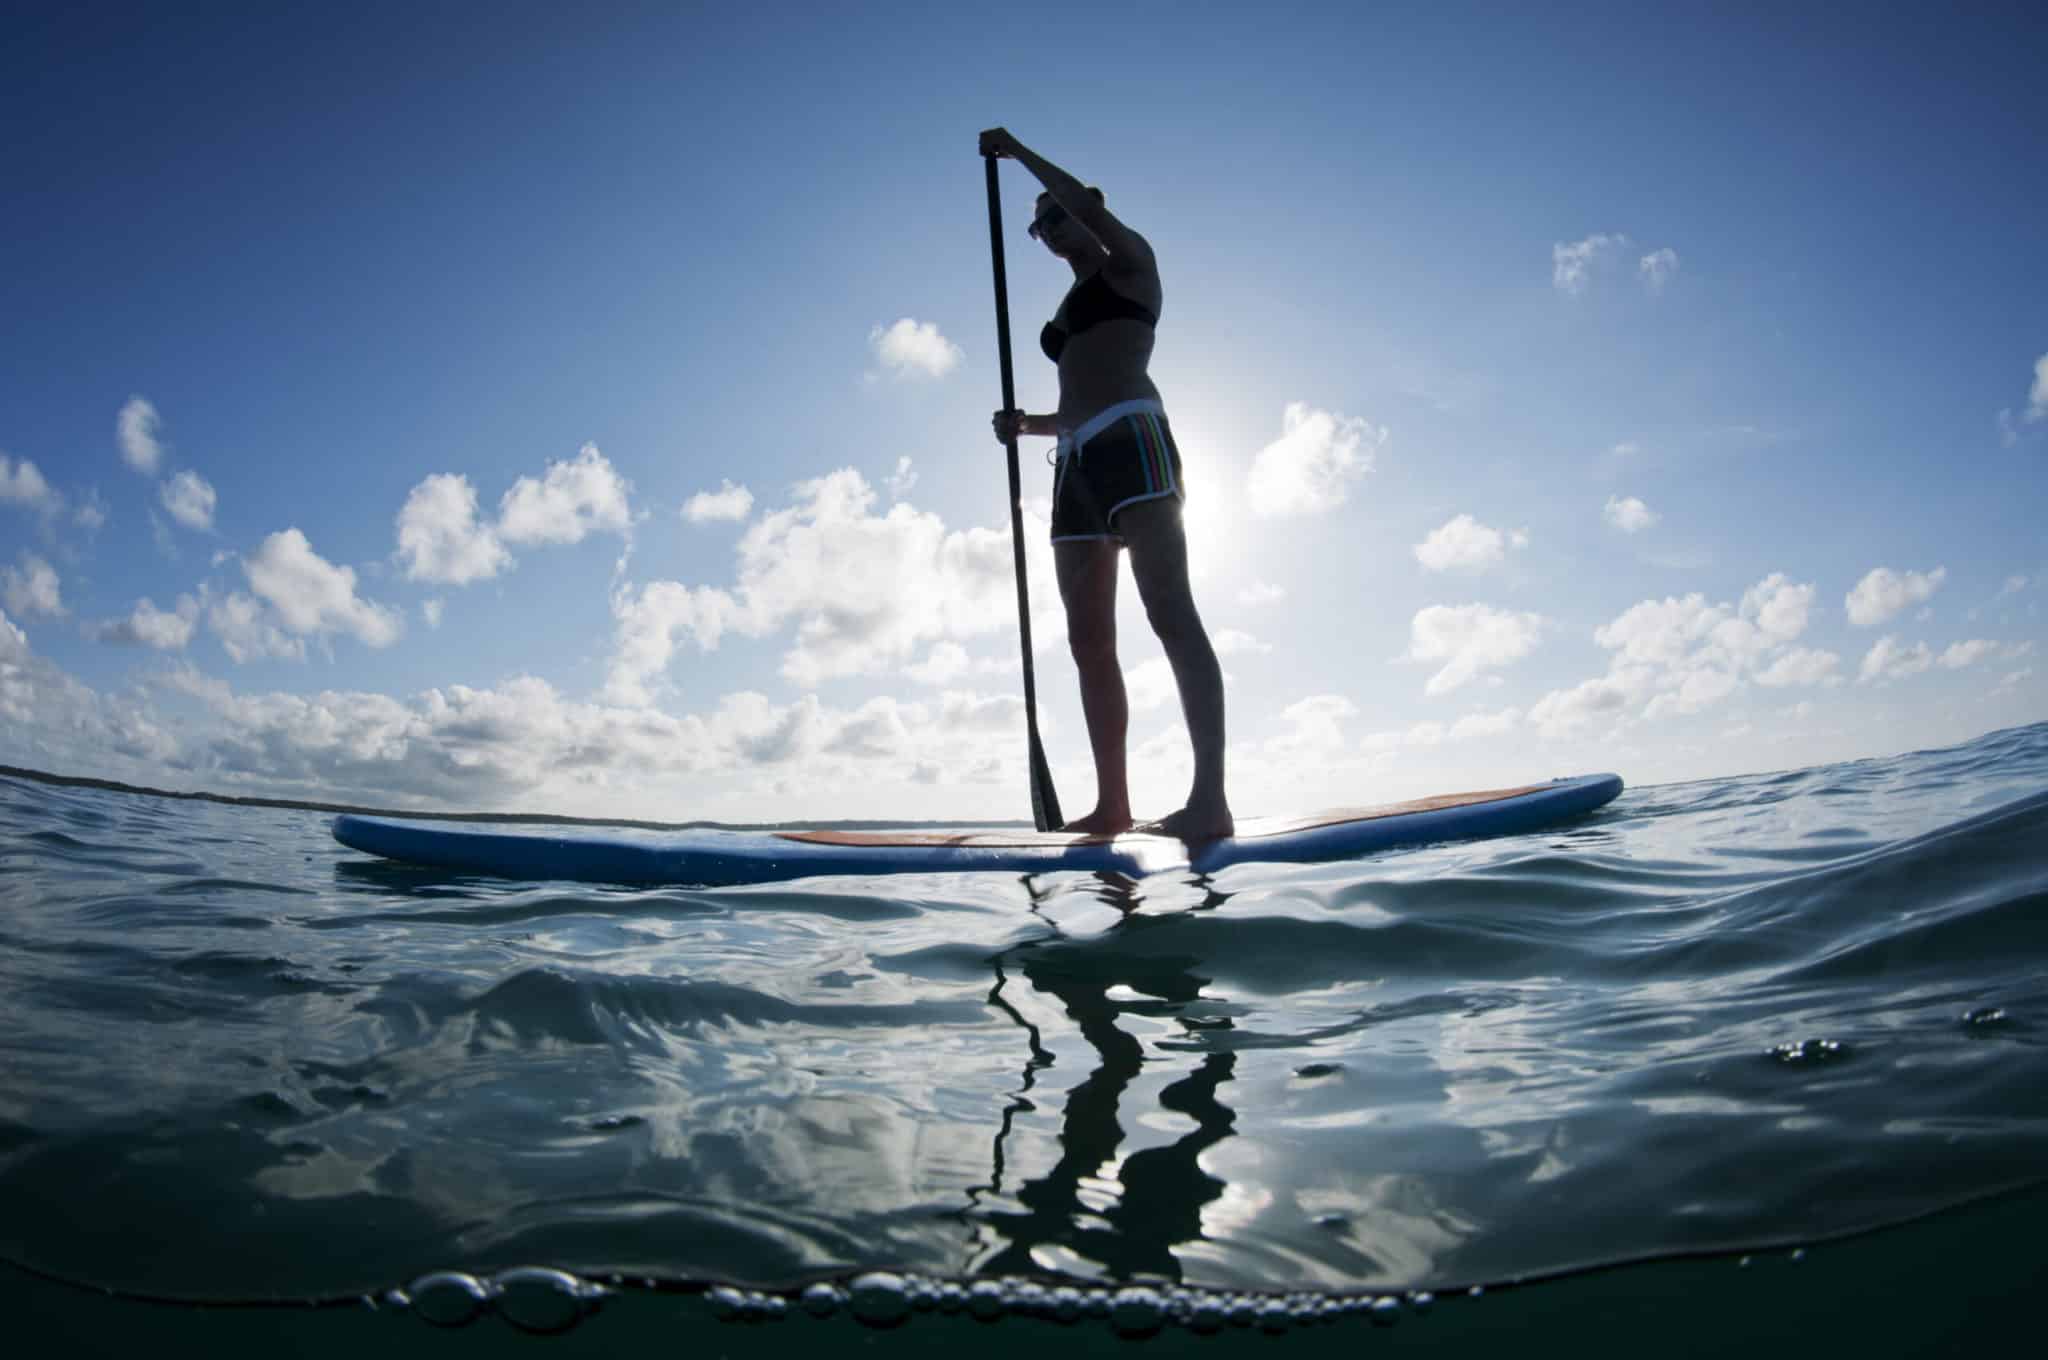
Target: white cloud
1968,653
577,497
136,428
1474,725
1626,449
1149,685
2037,395
902,479
1570,264
1233,642
1261,592
1780,608
439,536
943,664
1308,468
518,745
914,349
651,623
2012,680
1562,712
1801,666
1682,655
13,652
190,499
1469,639
1463,543
866,589
431,610
247,631
1432,733
863,591
21,483
1883,592
148,626
1629,515
54,722
1314,727
729,502
1888,660
948,662
312,595
91,516
34,588
1657,267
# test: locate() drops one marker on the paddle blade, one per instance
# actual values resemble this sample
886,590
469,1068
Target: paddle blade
1045,803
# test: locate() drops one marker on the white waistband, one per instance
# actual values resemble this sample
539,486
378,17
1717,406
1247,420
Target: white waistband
1071,441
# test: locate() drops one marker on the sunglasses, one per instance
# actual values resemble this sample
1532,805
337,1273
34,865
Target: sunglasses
1052,218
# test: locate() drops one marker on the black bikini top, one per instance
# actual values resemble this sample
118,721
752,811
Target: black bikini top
1092,302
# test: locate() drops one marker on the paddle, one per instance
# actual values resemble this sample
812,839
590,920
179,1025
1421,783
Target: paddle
1045,804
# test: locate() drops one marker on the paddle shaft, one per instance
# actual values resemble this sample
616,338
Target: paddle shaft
1045,804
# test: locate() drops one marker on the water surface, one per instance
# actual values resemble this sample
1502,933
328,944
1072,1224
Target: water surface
240,1061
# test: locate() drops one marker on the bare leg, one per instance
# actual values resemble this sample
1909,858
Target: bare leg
1159,561
1087,575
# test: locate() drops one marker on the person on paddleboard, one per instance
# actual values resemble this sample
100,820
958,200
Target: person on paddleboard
1117,484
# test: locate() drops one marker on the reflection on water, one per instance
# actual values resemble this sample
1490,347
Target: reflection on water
1098,1213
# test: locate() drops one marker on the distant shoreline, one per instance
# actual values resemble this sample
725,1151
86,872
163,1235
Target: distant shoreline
77,781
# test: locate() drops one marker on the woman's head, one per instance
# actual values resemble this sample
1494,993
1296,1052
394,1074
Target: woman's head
1051,224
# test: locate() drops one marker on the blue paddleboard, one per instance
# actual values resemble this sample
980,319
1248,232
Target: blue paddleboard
716,858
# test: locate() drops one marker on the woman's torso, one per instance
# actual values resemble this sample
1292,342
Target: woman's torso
1107,362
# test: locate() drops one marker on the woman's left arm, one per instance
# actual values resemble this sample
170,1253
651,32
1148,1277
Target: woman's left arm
1072,195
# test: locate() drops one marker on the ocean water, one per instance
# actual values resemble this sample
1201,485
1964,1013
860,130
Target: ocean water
1739,1018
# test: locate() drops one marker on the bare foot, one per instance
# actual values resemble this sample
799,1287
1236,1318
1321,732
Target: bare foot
1099,823
1193,824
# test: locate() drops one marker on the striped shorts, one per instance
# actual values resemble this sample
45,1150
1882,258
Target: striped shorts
1120,457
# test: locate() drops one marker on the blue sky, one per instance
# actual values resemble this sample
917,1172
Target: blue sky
1664,392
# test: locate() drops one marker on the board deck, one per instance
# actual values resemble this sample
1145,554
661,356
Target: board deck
718,858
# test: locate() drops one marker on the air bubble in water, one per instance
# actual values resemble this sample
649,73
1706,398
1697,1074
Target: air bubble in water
1136,1311
1421,1300
449,1298
880,1299
543,1301
1386,1311
1985,1015
727,1304
985,1300
822,1300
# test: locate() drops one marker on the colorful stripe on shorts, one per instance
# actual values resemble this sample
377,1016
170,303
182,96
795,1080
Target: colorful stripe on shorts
1152,451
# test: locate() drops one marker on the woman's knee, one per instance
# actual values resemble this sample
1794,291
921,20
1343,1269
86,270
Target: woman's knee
1091,640
1171,612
